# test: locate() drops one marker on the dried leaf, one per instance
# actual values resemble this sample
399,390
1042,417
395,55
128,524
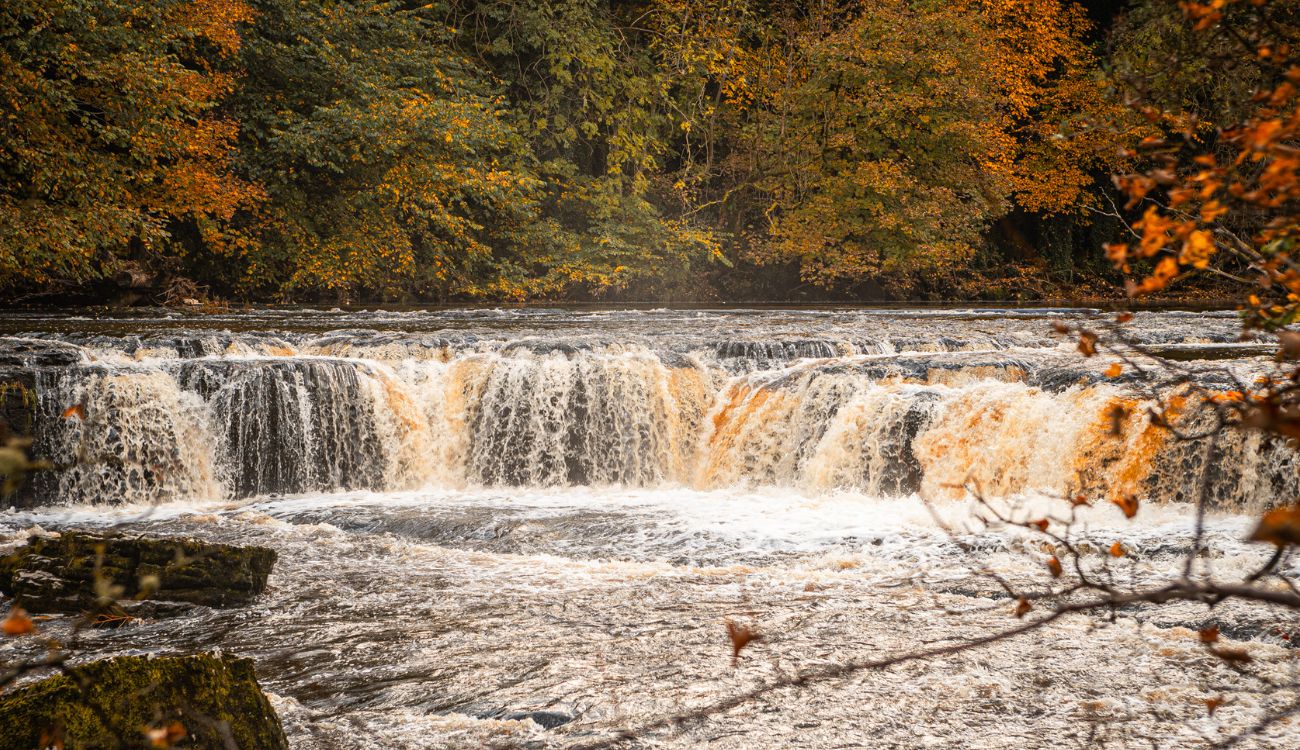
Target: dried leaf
1022,607
1209,634
164,737
1115,370
1212,704
1123,317
1232,655
76,410
1041,524
1088,343
1054,566
1289,343
1127,503
741,636
1118,415
18,623
1280,526
1117,550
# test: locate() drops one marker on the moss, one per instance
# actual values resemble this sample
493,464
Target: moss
112,703
58,574
18,406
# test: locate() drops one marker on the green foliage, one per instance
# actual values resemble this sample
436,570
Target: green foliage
390,163
597,111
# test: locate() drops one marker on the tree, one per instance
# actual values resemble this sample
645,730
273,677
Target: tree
111,139
598,115
863,139
392,165
1219,192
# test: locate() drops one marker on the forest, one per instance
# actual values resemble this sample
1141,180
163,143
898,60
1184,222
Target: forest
670,150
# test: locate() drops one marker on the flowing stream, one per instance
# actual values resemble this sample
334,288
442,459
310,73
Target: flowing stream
525,528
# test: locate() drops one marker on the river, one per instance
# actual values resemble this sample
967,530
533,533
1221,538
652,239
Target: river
527,527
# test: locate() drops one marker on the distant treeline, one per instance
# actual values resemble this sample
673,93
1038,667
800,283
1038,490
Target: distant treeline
513,149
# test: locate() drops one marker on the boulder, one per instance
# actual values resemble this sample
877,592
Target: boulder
78,571
202,702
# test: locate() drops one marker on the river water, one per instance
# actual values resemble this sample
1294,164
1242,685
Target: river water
527,528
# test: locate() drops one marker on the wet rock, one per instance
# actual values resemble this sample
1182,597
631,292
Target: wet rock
544,719
67,573
216,700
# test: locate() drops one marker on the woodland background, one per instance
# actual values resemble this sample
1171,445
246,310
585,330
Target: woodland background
672,150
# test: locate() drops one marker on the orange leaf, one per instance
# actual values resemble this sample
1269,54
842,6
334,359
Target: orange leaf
1115,370
1117,550
1088,343
741,636
76,410
1212,704
1209,635
1041,524
1280,526
1054,566
18,623
1128,504
164,737
1022,607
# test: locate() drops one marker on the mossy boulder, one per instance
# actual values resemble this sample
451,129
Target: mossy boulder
76,571
115,703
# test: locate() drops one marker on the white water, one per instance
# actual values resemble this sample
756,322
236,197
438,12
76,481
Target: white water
454,552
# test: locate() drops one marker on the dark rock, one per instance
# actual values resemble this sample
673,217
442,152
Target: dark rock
67,573
112,703
544,719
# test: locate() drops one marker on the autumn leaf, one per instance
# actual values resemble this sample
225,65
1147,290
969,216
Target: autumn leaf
18,623
1054,566
1022,607
76,410
1213,704
1088,343
1117,550
1127,503
741,636
1041,524
165,737
1232,655
1289,344
1209,634
1115,370
1123,317
1280,526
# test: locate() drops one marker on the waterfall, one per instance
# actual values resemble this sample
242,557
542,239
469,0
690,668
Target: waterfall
144,419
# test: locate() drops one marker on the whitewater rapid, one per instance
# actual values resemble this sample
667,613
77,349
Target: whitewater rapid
527,528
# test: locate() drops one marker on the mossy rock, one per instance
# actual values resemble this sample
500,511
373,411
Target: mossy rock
112,704
59,574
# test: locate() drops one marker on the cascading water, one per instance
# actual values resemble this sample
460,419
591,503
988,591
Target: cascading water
520,528
988,403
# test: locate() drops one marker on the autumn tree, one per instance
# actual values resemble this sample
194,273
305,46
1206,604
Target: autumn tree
869,138
111,146
391,163
1218,191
